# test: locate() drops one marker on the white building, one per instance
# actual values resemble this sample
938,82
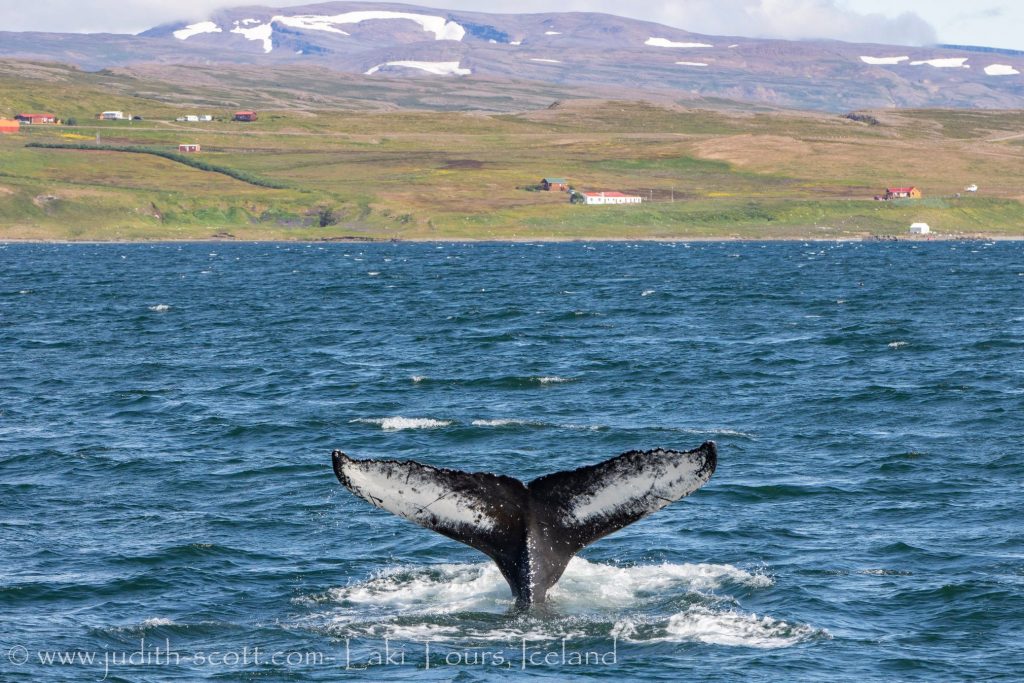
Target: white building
920,229
610,198
205,117
112,115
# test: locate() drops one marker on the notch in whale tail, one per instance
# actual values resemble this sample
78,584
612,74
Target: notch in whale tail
530,531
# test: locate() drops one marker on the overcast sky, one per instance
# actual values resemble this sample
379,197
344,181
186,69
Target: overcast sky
995,23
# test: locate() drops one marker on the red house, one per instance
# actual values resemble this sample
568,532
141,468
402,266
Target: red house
245,116
35,118
189,147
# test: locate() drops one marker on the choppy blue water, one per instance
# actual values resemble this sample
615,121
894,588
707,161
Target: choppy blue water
167,414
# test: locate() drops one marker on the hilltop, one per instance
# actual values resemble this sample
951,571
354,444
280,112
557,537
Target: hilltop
600,54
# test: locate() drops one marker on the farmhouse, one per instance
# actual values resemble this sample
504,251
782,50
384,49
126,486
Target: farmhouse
9,126
34,119
920,229
112,116
189,147
610,198
554,184
902,193
245,116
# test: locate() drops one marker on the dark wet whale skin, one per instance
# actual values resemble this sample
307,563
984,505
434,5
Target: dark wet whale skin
530,531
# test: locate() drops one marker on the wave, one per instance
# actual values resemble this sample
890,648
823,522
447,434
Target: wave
897,344
160,308
704,625
501,422
553,379
398,422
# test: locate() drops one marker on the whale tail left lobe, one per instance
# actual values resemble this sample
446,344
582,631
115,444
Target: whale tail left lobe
531,532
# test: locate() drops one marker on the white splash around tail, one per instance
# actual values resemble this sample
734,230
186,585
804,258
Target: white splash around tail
443,603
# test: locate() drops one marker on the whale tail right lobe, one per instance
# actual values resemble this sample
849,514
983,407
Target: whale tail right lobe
531,532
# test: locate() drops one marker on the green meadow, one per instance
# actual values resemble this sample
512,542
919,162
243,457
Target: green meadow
331,170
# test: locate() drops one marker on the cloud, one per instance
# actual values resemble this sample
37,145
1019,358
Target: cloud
789,19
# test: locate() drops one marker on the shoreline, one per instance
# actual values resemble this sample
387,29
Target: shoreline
980,237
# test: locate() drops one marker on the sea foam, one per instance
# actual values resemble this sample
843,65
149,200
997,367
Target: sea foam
398,422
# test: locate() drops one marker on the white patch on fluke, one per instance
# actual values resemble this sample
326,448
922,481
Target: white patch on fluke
1000,70
884,60
663,477
415,495
196,29
436,68
665,42
943,63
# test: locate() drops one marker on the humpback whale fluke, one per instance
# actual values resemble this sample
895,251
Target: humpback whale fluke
532,530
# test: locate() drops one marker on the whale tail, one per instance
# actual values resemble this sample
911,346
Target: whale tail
531,531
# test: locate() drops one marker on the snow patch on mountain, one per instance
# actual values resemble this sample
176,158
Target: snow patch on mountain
1000,70
692,63
196,29
439,26
264,32
665,42
436,68
546,61
944,63
883,60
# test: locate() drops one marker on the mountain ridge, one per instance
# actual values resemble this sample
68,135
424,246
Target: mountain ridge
592,51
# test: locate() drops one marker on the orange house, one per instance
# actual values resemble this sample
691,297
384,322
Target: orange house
245,116
9,126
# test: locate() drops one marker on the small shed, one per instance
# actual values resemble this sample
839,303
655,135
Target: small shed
554,184
9,126
189,147
920,229
112,115
245,116
902,193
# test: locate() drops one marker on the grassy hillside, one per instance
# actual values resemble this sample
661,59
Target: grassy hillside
338,170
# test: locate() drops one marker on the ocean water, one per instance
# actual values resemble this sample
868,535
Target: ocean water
168,509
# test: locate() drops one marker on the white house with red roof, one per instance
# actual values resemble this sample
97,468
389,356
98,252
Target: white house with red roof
610,198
